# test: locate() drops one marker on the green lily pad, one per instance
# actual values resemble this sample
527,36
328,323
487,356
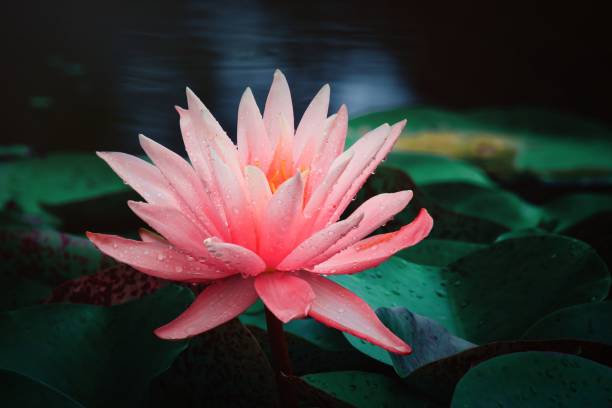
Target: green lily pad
438,252
439,378
33,262
429,340
502,290
492,294
572,209
56,179
14,151
222,367
97,356
362,389
427,169
547,143
489,203
111,286
590,321
535,379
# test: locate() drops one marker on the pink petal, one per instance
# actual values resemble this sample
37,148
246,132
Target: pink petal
259,193
318,243
149,236
173,225
330,148
373,251
340,308
143,177
253,144
278,108
286,296
217,304
364,153
377,211
396,130
195,202
210,133
309,132
236,257
281,221
162,261
235,204
323,189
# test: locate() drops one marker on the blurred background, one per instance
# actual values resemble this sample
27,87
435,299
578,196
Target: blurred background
91,75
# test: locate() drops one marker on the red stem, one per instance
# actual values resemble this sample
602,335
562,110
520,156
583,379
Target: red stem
280,361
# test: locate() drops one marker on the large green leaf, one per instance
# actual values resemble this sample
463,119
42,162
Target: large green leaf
59,178
540,141
367,390
427,169
429,340
489,203
590,321
439,378
97,356
572,209
535,379
500,291
438,252
111,286
33,262
492,294
220,368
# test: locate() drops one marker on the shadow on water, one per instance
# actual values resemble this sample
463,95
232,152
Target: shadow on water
91,75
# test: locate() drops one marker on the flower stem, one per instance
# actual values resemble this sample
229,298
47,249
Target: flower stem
280,361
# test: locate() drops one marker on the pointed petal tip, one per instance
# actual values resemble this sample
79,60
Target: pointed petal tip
165,334
401,349
278,72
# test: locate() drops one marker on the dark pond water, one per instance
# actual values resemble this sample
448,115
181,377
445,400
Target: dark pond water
91,75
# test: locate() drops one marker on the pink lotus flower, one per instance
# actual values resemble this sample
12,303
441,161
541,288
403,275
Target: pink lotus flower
263,220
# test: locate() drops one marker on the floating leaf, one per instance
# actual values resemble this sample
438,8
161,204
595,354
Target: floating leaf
112,286
589,321
429,340
362,389
572,209
33,262
440,378
222,367
427,169
438,252
548,143
56,179
535,379
97,356
492,294
492,204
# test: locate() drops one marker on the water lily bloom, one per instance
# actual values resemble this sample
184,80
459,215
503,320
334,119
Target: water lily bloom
262,219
